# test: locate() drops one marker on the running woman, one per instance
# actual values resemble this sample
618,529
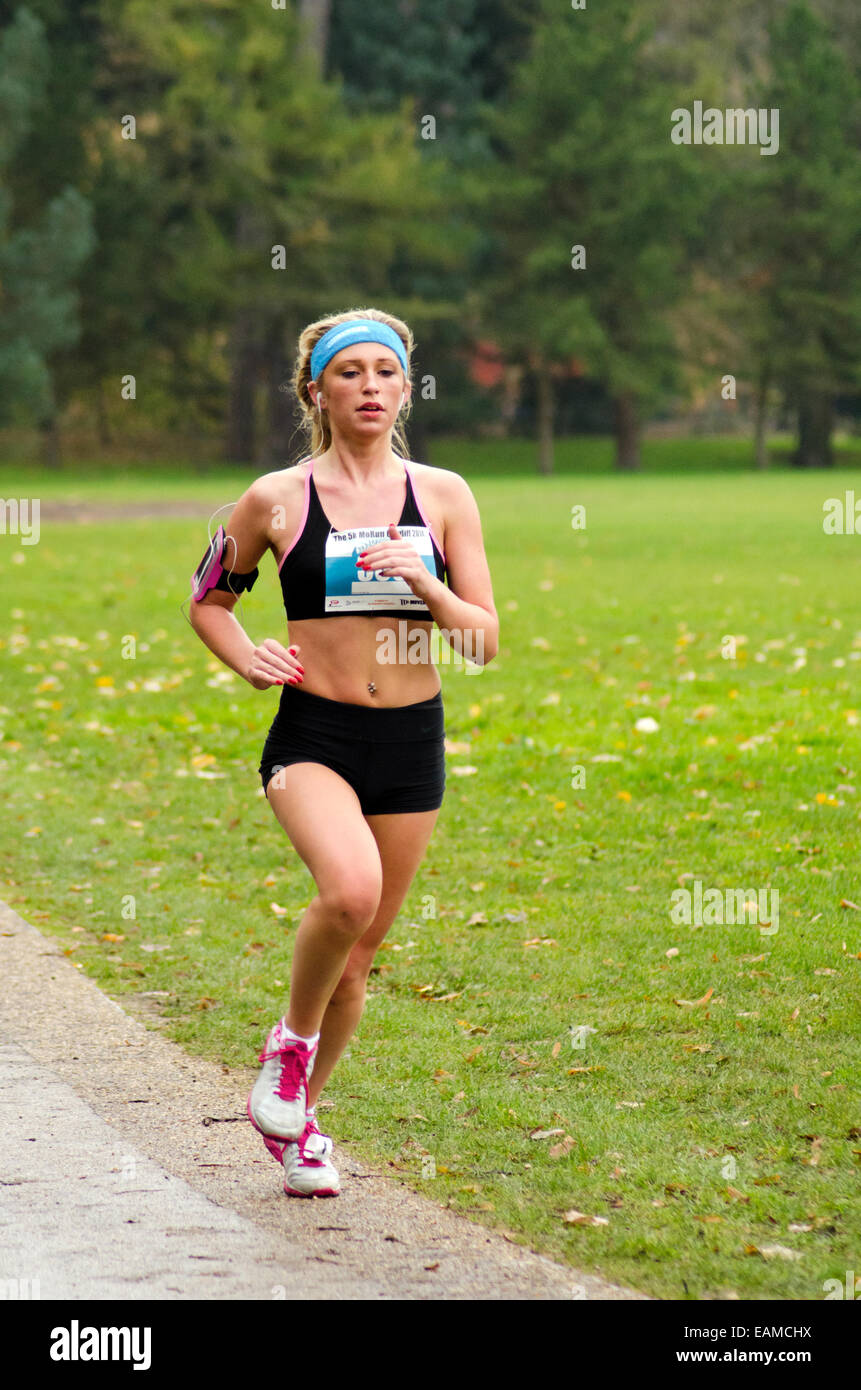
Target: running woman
353,765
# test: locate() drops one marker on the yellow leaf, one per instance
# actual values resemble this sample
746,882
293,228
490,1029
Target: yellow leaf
579,1218
695,1003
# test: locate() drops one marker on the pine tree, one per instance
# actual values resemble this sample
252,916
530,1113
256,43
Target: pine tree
43,241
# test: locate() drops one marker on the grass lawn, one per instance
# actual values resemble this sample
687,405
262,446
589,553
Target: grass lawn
712,1119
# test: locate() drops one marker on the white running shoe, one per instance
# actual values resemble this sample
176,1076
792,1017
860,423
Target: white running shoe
308,1170
278,1101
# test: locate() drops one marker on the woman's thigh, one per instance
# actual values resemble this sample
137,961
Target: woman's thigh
321,815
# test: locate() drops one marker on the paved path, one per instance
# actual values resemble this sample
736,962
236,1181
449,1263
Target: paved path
128,1170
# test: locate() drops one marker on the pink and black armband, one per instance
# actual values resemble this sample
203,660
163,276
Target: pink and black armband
211,573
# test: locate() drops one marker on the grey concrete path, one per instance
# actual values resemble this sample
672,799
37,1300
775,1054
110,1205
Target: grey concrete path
128,1170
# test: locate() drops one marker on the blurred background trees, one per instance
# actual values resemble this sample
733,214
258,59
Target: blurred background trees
184,186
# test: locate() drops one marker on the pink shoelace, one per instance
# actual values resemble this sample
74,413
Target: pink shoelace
292,1074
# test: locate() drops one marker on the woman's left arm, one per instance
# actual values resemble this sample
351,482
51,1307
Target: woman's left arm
464,611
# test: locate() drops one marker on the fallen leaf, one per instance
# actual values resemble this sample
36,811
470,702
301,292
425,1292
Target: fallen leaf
557,1046
560,1150
579,1218
477,919
695,1003
545,1133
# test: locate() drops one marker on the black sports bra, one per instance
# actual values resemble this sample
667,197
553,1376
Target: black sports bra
320,577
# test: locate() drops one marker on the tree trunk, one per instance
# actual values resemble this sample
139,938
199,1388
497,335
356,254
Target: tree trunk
627,427
314,15
815,422
418,438
761,418
50,440
546,411
239,445
102,424
280,419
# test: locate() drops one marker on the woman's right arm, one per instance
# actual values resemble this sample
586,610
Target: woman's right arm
212,618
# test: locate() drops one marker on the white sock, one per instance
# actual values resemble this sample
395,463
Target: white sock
297,1037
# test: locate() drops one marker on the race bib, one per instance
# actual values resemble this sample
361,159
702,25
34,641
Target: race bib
350,589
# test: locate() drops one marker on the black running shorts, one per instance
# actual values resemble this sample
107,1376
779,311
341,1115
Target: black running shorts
393,758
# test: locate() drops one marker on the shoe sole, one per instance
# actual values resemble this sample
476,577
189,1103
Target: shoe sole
276,1146
324,1192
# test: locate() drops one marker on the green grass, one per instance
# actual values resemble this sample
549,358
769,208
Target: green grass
112,482
138,777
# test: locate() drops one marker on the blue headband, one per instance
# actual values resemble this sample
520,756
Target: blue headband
355,331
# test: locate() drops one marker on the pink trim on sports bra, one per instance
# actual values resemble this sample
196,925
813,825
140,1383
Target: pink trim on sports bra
422,512
297,537
298,534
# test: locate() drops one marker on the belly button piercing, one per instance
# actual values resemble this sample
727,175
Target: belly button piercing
372,689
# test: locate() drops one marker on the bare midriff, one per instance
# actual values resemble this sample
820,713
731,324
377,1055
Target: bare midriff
340,657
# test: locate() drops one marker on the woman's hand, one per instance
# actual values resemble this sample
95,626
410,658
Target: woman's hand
399,558
272,664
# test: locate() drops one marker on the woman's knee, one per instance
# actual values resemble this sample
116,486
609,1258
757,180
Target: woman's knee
352,904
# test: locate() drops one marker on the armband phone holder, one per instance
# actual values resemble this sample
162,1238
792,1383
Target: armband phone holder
211,574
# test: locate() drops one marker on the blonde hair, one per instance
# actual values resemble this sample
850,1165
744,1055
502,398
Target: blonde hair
316,422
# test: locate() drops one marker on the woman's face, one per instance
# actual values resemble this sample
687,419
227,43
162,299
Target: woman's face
362,387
